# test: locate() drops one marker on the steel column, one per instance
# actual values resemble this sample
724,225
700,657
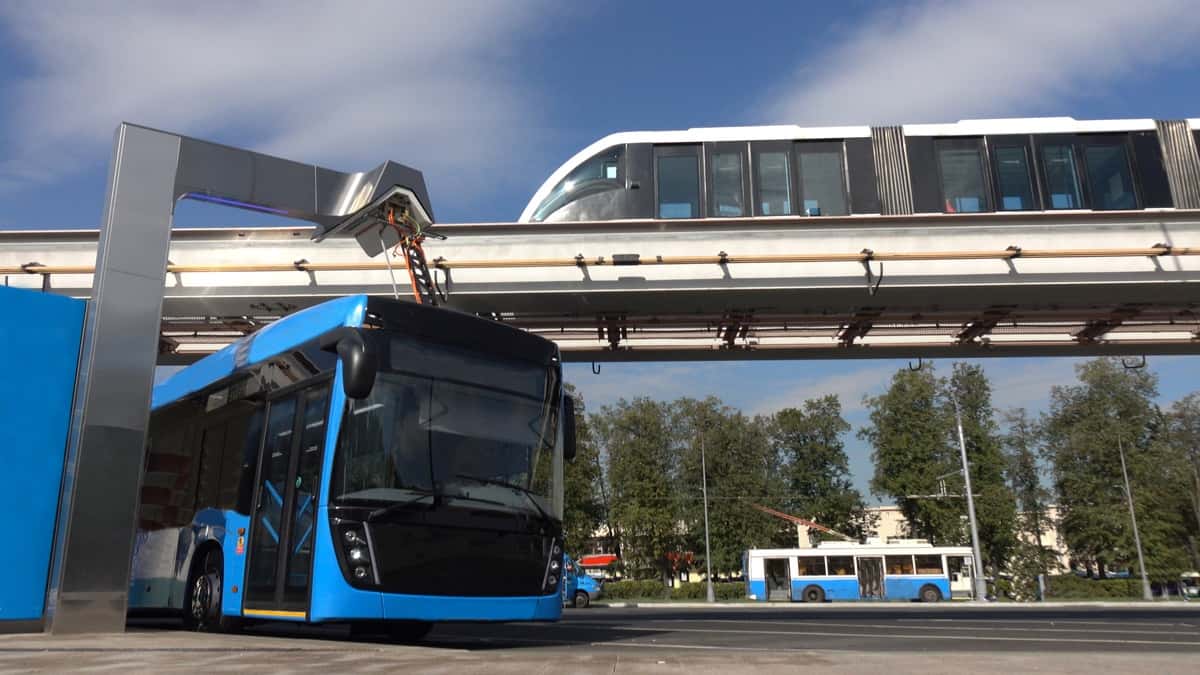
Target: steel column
90,576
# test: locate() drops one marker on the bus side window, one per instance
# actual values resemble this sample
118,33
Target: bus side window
232,461
251,441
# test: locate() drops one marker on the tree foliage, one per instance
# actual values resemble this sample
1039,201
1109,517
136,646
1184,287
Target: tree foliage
814,470
1089,425
584,507
909,434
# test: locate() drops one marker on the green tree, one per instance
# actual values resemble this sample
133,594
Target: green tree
636,437
1021,444
1184,425
1112,409
995,508
815,471
739,465
909,434
583,488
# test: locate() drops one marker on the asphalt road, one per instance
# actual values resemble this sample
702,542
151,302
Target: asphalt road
850,628
890,639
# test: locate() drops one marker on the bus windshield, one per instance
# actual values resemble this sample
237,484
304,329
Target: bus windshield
450,423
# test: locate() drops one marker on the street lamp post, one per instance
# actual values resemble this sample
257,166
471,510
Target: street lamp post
980,583
707,551
1137,539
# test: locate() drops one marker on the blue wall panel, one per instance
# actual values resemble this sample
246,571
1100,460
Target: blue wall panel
39,353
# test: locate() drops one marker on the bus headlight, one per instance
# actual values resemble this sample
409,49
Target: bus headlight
357,551
553,565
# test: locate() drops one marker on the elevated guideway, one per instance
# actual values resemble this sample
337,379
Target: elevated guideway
862,286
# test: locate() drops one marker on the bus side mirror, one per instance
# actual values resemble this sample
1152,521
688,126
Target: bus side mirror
359,364
568,428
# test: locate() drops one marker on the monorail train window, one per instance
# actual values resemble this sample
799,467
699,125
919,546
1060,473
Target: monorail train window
1110,180
725,181
960,163
597,174
1061,176
822,179
678,181
772,183
1013,178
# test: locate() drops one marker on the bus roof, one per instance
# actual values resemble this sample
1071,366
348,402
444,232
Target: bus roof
272,339
860,549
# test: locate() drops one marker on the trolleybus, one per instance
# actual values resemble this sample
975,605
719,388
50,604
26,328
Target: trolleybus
359,461
908,570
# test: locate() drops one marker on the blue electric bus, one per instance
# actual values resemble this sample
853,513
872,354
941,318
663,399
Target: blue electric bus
359,461
909,570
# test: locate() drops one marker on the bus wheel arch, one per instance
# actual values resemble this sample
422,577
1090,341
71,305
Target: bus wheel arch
202,609
813,593
930,593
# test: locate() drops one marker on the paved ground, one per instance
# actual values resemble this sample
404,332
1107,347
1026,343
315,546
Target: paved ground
891,639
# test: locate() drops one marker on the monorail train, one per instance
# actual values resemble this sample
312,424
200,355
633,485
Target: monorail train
972,166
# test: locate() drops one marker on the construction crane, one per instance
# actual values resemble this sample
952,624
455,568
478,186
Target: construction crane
798,522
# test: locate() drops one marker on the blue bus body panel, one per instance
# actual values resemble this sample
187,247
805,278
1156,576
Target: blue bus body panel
758,589
906,587
235,562
844,588
271,340
39,350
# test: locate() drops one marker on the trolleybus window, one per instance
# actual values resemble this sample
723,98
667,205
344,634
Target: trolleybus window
961,166
773,183
811,566
1062,177
726,181
898,564
822,174
929,564
841,565
1109,178
1013,178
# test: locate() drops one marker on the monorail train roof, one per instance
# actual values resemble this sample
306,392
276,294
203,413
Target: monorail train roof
968,127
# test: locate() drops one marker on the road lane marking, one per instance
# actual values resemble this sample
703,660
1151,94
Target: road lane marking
883,625
982,638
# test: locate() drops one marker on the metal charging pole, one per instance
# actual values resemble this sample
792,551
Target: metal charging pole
980,582
707,550
1137,539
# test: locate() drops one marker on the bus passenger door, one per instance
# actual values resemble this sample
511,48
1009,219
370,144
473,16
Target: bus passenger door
779,579
959,569
870,578
279,569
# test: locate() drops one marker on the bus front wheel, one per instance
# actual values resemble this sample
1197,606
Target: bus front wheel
930,593
813,594
202,606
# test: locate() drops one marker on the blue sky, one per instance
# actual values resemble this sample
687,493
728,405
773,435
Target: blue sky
487,98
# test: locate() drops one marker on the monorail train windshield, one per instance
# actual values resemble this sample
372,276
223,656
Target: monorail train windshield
970,167
598,174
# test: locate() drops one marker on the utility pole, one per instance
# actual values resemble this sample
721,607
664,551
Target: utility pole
707,550
1137,539
980,582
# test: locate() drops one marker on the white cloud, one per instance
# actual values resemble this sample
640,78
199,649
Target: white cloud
858,379
936,61
431,84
